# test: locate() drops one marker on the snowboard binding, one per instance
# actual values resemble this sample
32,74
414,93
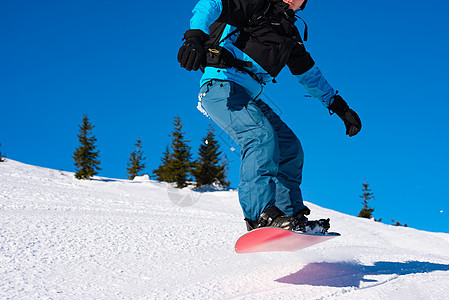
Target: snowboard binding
313,227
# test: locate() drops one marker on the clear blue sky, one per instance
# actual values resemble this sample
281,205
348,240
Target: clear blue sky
116,61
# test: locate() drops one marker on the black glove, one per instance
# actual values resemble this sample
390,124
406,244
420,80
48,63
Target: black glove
192,52
349,117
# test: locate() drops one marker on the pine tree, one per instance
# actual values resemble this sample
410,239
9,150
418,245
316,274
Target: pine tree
85,156
366,211
176,165
162,173
209,168
180,164
135,163
2,159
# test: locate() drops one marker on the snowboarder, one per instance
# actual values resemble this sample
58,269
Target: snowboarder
241,45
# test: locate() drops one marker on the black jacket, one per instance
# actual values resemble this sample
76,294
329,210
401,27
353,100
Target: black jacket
267,34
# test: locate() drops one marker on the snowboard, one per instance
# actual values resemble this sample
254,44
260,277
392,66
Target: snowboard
268,239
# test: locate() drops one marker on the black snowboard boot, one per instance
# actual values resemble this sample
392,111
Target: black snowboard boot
272,217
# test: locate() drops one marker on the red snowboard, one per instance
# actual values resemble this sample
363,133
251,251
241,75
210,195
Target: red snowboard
277,239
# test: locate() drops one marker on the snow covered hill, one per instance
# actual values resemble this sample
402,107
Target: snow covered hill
62,238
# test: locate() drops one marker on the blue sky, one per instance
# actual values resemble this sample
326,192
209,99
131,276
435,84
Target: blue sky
116,62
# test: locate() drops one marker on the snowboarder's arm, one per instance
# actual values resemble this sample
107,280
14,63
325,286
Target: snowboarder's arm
309,75
205,13
317,86
192,53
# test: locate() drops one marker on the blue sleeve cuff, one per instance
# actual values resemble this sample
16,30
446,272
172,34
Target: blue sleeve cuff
317,86
205,13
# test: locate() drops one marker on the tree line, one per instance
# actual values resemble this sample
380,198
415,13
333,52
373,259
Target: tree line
177,165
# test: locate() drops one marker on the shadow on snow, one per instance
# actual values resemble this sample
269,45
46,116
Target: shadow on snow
347,274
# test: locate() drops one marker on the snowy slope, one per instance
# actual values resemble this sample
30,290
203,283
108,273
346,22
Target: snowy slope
61,238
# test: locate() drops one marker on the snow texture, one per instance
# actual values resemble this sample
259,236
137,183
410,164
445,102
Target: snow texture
61,238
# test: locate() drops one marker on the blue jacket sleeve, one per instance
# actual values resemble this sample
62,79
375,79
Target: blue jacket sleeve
317,86
205,13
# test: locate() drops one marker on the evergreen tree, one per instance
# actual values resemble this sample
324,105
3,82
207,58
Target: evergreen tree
85,156
162,173
366,211
2,158
209,168
180,164
135,163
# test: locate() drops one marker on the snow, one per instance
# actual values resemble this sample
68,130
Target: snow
145,177
62,238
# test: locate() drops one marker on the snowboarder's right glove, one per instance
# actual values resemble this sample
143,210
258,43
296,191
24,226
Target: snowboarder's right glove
349,117
192,53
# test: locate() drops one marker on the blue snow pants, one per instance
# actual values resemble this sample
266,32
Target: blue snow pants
271,154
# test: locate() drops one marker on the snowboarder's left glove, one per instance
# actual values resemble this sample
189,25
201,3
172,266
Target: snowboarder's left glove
192,52
349,117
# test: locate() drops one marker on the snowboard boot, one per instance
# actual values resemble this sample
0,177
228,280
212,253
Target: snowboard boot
272,217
